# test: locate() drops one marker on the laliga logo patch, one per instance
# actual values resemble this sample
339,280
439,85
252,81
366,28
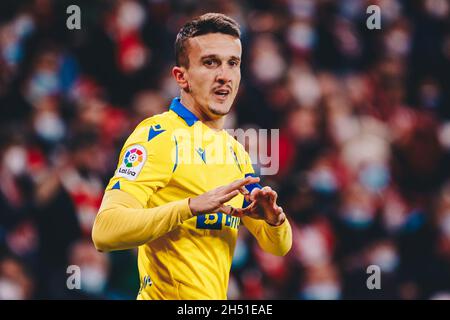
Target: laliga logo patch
132,163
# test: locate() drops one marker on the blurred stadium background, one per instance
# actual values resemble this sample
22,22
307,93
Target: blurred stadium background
364,119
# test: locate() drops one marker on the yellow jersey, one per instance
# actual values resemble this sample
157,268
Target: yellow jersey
173,156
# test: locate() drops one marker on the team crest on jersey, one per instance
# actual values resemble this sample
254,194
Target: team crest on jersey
132,163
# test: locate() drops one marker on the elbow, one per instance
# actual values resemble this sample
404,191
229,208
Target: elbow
282,244
280,250
99,243
284,250
286,245
99,237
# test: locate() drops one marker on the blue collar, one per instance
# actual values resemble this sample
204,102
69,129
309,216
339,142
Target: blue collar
177,107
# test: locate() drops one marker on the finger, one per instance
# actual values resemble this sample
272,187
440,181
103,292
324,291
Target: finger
230,210
255,192
277,208
269,191
225,209
259,196
275,196
247,198
272,196
244,190
228,196
247,211
266,192
237,212
238,215
249,207
264,199
240,183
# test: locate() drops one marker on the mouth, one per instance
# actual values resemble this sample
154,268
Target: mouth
222,94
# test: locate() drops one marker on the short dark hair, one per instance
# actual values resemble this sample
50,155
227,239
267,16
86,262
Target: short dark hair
207,23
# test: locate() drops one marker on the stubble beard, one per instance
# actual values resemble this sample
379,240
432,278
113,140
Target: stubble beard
218,112
212,109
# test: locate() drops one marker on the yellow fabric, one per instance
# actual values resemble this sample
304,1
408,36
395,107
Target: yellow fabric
180,256
122,223
273,239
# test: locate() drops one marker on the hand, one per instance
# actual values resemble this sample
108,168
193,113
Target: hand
263,206
213,201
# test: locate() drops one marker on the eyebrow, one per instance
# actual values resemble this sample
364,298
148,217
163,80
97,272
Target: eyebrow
216,57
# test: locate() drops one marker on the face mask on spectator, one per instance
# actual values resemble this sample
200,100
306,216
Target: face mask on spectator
12,53
301,36
12,48
267,65
437,8
130,16
15,160
350,9
391,10
93,279
323,181
49,126
358,217
398,42
311,245
321,291
302,8
42,84
374,177
386,258
9,290
24,25
305,88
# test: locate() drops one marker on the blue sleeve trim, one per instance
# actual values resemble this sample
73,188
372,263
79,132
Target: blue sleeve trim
250,187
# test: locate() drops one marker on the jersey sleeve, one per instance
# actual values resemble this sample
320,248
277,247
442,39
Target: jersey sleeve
145,162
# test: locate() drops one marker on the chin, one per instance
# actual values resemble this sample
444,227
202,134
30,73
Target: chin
220,110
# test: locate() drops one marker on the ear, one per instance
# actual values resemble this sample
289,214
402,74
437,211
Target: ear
179,73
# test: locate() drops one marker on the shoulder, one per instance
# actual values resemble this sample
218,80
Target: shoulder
152,130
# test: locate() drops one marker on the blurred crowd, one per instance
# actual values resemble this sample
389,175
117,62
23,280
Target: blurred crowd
364,119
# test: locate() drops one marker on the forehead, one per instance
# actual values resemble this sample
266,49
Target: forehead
219,44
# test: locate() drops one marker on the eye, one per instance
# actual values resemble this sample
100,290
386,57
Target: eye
233,63
210,62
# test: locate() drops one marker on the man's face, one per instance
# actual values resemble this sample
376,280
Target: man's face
214,72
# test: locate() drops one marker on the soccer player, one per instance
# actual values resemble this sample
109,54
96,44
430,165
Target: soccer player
176,198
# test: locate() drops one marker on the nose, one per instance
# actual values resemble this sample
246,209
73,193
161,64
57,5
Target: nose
223,74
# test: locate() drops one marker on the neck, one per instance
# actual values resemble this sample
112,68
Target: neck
213,123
